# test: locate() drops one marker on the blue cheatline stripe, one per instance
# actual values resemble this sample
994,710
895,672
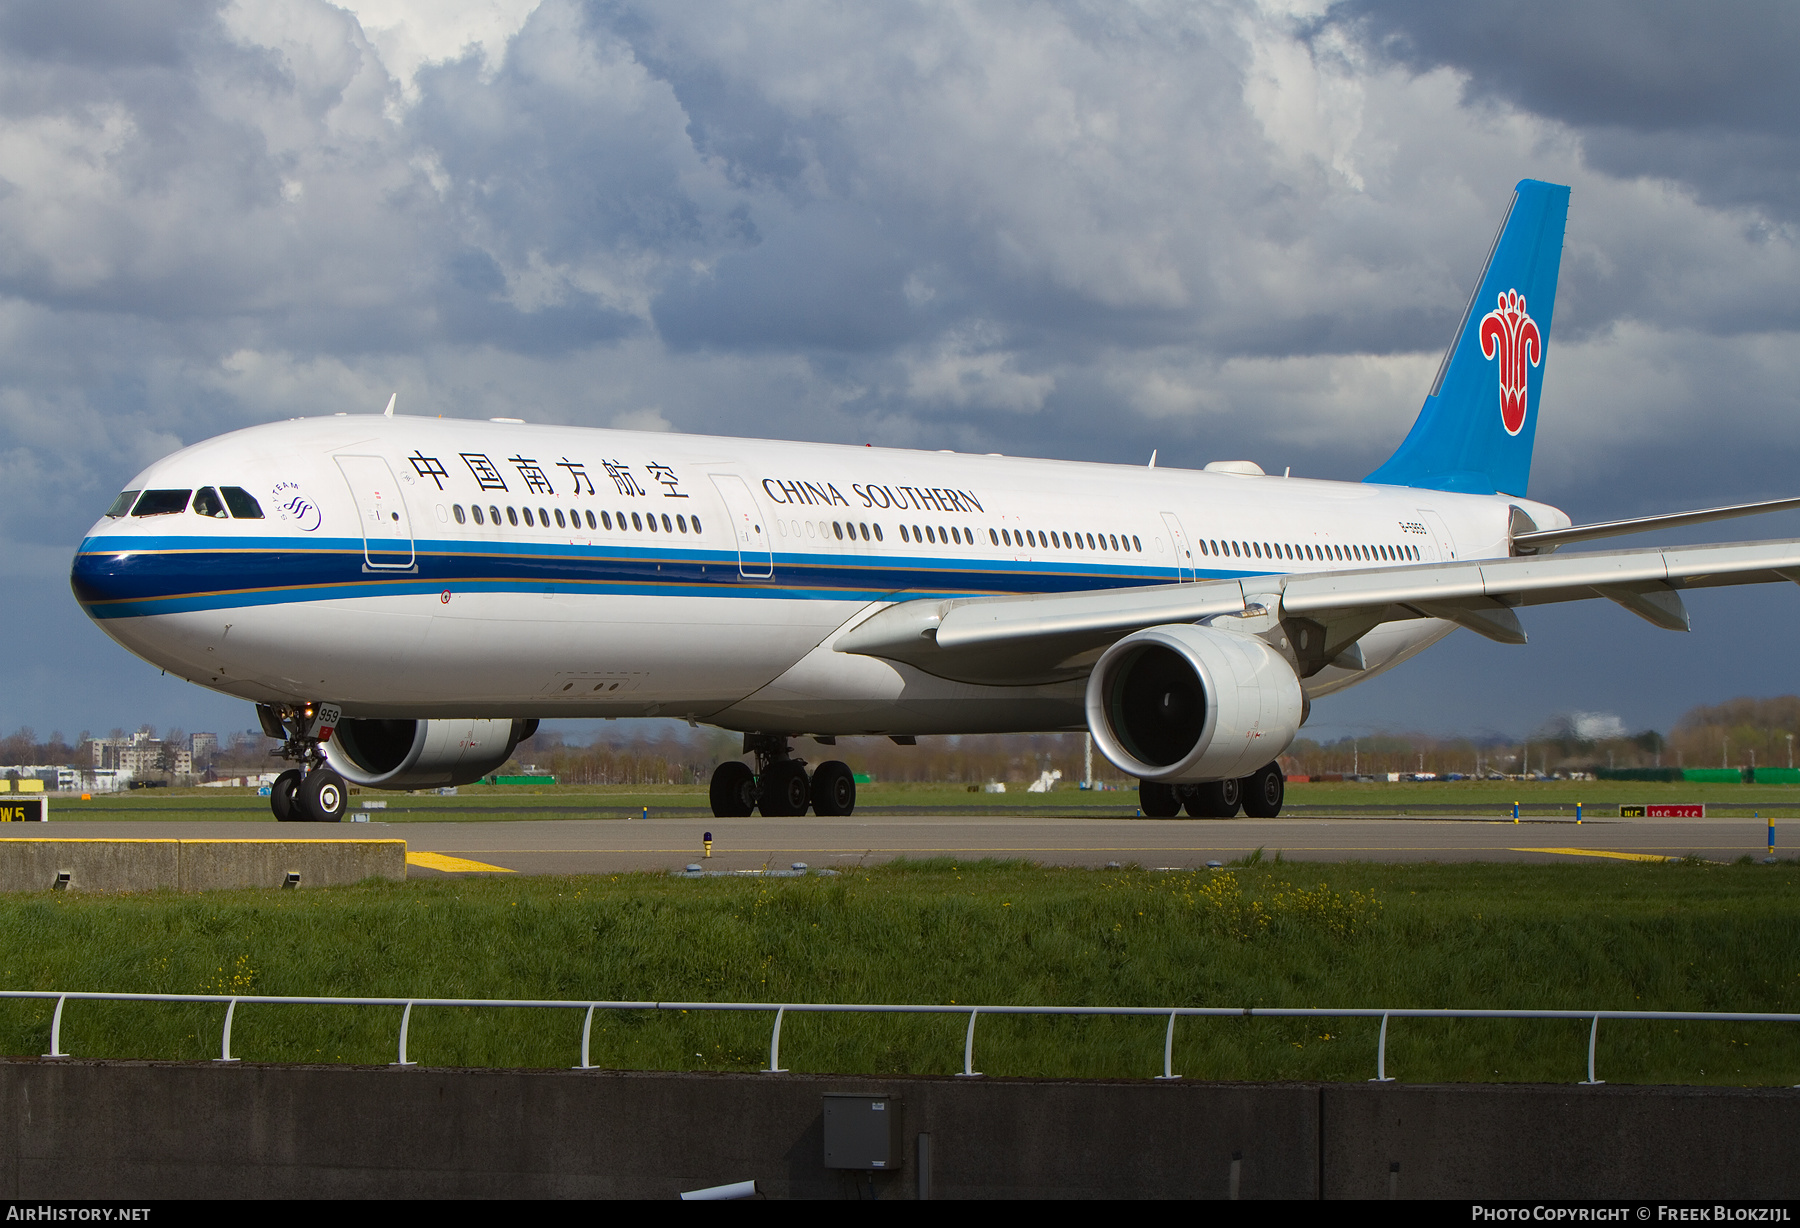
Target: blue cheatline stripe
119,577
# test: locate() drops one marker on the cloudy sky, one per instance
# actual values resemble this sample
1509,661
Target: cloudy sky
1219,230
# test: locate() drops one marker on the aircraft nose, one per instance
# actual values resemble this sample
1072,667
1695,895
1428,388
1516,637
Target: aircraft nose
105,581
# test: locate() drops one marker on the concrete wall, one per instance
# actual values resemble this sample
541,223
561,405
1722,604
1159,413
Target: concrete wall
31,864
92,1130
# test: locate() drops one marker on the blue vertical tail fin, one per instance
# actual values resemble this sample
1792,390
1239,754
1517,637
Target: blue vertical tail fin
1475,431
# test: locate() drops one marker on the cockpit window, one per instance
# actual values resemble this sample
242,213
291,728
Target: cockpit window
208,503
161,502
242,503
122,504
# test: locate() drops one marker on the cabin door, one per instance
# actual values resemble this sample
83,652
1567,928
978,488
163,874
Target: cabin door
386,527
756,561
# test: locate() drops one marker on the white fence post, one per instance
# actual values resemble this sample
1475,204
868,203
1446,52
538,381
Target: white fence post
1381,1074
225,1040
968,1070
1593,1036
587,1026
405,1021
775,1066
1169,1051
56,1030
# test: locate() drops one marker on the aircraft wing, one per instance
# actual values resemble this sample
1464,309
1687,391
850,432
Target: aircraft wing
1056,636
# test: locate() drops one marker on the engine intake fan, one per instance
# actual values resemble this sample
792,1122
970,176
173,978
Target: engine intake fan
402,754
1185,704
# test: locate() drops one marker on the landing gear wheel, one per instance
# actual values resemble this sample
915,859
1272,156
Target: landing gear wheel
1264,791
833,789
321,797
1157,800
281,796
785,790
733,790
1216,799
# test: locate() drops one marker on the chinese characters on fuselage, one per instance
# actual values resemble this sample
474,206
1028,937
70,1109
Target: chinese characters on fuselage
536,481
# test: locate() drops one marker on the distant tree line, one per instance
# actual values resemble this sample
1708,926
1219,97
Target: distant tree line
1738,733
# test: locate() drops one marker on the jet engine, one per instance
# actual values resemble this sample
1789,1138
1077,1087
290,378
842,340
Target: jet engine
1184,704
387,754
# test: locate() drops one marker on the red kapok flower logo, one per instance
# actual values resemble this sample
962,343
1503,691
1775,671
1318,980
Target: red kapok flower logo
1511,336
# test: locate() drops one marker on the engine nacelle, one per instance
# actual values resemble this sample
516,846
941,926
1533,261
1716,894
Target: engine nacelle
1184,704
384,754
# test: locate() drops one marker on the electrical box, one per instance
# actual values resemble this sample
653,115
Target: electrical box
862,1131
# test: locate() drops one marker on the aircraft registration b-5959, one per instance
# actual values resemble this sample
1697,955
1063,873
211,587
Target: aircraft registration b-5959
404,598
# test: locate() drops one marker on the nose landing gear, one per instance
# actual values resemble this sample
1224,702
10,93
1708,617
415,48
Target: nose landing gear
780,786
311,792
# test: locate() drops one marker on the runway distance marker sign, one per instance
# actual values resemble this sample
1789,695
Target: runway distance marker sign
25,810
1662,812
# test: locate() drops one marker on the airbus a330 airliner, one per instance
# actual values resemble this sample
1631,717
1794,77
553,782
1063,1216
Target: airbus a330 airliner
405,598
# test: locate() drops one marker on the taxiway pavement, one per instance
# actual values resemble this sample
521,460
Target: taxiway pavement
598,846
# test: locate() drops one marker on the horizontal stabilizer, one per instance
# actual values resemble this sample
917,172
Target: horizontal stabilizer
1540,539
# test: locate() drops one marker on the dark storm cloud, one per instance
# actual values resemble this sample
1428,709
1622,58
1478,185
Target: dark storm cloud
107,34
1702,93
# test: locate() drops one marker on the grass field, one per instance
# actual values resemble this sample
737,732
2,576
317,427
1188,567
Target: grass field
1681,936
490,802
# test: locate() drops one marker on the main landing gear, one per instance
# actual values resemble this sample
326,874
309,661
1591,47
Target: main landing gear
311,792
1259,795
779,786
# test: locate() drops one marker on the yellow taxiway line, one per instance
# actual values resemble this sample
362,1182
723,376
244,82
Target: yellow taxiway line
1599,853
453,865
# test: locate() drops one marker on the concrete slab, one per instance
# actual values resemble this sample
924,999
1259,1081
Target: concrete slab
173,864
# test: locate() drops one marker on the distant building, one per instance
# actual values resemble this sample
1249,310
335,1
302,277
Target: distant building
203,748
139,755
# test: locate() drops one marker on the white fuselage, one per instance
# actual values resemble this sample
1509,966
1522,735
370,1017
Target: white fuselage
368,582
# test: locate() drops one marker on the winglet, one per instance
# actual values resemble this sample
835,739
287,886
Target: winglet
389,411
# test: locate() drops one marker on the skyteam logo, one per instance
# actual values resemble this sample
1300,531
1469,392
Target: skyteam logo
1512,337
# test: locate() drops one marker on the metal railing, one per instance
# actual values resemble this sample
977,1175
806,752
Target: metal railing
968,1071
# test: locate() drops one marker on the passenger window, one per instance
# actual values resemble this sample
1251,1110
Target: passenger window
696,521
1137,545
161,502
242,503
456,510
681,523
636,522
208,503
838,529
529,523
667,527
475,511
650,521
543,518
605,520
122,504
559,519
591,522
904,535
512,517
878,533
